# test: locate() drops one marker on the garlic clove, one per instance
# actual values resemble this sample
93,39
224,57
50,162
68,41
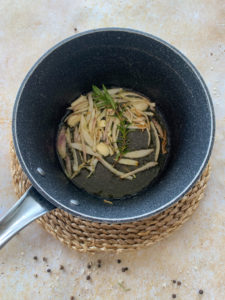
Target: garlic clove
142,106
102,123
103,149
73,120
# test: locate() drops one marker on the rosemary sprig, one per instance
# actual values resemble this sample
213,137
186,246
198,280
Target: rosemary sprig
103,100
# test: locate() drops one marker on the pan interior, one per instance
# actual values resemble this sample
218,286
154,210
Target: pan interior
105,185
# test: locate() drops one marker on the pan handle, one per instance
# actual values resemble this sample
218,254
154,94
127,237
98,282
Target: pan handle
30,207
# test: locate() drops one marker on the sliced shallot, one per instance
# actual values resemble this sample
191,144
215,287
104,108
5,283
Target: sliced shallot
149,165
128,162
138,153
61,143
157,142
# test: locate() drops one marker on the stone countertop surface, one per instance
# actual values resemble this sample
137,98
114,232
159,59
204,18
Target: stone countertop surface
195,253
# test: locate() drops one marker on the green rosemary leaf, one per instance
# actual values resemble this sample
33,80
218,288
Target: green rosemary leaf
109,98
102,98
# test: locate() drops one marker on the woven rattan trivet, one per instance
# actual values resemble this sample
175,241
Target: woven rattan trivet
88,236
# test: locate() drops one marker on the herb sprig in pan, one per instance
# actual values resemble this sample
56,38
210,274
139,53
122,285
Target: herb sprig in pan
103,100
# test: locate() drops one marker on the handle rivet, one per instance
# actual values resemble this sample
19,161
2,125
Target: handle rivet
74,202
41,171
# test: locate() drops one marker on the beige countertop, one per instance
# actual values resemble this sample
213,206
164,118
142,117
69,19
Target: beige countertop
195,253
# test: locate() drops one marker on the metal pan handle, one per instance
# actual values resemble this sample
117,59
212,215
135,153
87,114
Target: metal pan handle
30,207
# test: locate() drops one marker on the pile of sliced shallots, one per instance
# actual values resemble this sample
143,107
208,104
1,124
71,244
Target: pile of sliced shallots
90,134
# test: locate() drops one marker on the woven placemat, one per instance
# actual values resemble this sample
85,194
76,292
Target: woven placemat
88,236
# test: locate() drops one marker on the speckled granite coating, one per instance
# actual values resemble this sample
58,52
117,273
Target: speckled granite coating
195,254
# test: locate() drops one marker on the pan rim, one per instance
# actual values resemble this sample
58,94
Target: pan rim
47,196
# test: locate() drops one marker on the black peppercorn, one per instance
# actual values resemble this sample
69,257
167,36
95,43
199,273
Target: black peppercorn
35,258
200,292
49,270
124,269
88,277
118,261
174,296
89,265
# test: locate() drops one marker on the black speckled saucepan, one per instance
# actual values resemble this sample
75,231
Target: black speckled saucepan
116,57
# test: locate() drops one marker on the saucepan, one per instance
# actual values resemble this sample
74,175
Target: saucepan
115,57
